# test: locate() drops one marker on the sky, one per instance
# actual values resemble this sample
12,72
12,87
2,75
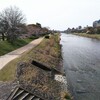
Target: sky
57,14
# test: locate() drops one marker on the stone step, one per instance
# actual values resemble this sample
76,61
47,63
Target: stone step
29,97
18,92
21,94
36,98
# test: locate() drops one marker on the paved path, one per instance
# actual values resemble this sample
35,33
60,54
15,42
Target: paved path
16,53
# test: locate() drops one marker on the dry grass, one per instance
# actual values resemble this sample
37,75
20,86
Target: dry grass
94,36
48,52
41,81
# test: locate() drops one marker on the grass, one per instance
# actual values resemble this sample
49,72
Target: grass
8,72
94,36
47,52
37,78
66,96
6,47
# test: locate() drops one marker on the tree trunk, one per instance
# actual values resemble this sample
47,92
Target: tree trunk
3,36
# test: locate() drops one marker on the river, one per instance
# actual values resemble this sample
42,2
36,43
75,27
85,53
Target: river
81,60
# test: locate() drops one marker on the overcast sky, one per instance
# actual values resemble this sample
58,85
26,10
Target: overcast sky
57,14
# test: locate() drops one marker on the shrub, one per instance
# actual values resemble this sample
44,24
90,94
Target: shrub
33,37
68,97
47,36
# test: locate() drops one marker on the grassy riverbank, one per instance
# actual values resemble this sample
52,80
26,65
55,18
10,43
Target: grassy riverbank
94,36
6,47
48,52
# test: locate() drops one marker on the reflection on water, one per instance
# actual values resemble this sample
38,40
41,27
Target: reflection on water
82,66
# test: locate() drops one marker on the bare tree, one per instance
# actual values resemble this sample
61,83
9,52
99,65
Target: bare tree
11,20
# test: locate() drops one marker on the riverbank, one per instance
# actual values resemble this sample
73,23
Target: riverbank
48,52
29,74
94,36
6,47
18,52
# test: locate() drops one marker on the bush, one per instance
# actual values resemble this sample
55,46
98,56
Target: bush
33,37
68,97
47,36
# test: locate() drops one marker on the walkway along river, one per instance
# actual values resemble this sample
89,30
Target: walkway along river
81,59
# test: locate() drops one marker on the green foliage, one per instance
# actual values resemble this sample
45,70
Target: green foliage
68,97
33,37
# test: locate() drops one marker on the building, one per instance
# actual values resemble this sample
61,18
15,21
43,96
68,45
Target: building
96,23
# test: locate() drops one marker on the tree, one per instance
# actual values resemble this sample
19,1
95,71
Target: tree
11,20
38,24
90,30
80,27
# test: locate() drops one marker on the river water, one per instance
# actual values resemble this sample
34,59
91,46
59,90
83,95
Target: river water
81,60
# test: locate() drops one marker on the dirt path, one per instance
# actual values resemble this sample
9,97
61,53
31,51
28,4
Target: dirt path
16,53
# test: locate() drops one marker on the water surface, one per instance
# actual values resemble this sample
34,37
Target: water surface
81,59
